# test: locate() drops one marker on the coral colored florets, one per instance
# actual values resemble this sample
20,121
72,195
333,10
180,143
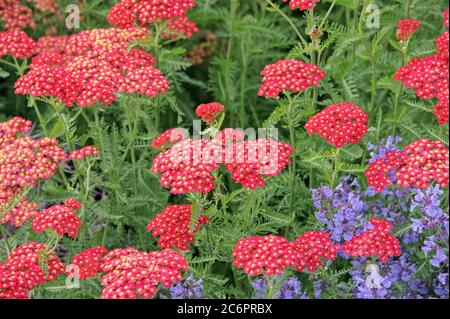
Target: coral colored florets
406,27
131,274
87,151
312,247
181,26
127,12
289,75
339,124
269,255
61,218
13,15
302,4
250,161
168,138
26,267
92,66
18,44
209,112
187,166
173,226
378,241
89,262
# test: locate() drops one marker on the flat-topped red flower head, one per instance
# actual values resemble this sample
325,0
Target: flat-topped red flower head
339,124
209,112
290,75
406,27
302,4
89,261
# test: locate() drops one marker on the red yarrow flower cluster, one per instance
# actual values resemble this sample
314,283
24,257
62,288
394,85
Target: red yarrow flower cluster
378,241
339,124
168,138
187,166
269,255
89,262
87,151
418,165
180,26
250,161
131,274
429,77
302,4
230,136
289,75
209,112
18,44
406,27
445,15
14,15
61,218
312,247
93,66
127,12
173,226
25,268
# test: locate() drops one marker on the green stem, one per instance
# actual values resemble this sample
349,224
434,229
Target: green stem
327,15
277,8
290,122
336,167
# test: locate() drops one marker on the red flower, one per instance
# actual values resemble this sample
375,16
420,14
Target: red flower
209,112
19,213
25,268
181,26
131,274
126,12
339,124
168,138
187,166
269,255
229,136
406,27
313,246
425,161
375,242
290,75
429,77
61,218
92,66
13,15
173,226
89,261
302,4
445,15
87,151
250,161
18,44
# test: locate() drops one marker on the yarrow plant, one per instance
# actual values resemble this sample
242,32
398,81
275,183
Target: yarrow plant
319,170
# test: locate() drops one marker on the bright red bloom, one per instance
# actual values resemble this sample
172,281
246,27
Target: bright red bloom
127,12
425,161
269,255
187,166
209,112
92,66
87,151
339,124
61,218
19,213
131,274
229,136
181,25
168,138
290,75
18,44
250,161
375,242
302,4
312,247
378,173
406,27
22,271
13,15
173,225
89,261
